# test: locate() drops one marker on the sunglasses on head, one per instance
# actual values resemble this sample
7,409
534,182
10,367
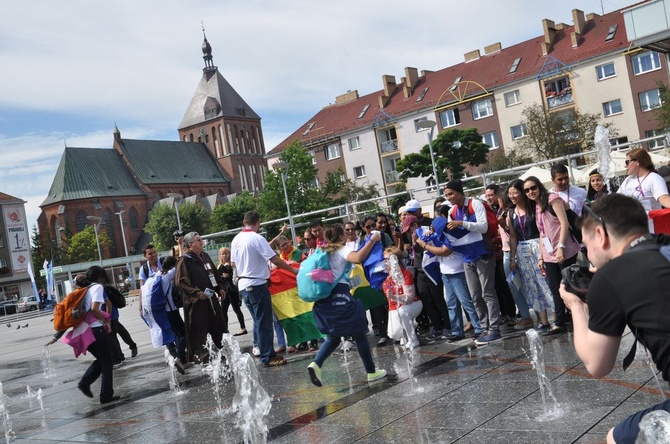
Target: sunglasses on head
530,188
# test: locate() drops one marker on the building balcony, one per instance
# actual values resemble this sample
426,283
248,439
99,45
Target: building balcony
392,176
563,98
389,146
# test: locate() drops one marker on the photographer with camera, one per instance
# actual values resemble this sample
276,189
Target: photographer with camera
628,290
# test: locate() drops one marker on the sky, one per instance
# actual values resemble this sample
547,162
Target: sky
72,70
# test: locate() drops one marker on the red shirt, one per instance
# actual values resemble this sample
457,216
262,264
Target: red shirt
390,285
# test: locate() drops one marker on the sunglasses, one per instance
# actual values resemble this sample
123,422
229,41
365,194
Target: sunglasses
348,230
530,188
369,227
590,213
627,161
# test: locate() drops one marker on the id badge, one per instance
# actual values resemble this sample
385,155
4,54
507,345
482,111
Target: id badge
212,279
547,245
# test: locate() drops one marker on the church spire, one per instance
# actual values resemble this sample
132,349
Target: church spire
207,53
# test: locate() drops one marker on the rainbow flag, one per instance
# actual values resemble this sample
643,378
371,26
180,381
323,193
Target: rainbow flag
361,289
294,314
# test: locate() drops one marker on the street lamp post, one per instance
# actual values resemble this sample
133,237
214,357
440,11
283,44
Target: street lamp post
97,221
430,125
282,167
125,244
178,198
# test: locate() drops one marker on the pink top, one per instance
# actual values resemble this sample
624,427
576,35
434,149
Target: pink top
550,227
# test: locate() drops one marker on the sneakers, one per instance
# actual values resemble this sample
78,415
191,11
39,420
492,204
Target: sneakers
85,389
133,352
523,324
433,335
382,342
256,351
315,374
542,328
108,400
455,338
488,338
178,365
376,376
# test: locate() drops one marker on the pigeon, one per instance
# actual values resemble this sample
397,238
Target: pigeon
18,326
25,326
9,325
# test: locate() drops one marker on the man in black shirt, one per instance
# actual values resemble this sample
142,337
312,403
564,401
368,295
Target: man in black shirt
630,289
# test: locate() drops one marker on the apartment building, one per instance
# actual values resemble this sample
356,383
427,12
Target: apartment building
589,65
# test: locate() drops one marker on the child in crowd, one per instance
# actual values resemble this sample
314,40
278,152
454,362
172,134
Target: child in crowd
399,290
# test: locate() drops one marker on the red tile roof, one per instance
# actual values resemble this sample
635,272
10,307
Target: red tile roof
490,71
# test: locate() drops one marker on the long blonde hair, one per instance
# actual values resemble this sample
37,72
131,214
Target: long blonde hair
221,250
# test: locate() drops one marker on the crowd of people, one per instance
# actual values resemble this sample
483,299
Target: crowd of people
492,260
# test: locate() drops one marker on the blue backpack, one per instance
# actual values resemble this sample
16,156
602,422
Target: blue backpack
315,279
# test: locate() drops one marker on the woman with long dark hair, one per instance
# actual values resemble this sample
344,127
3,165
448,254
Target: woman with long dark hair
524,254
558,248
225,268
597,187
340,314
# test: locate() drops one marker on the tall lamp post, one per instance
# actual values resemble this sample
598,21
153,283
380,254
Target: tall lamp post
125,245
282,168
178,197
96,225
430,125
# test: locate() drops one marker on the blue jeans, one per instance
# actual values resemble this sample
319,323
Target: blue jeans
332,342
279,331
257,300
519,298
457,294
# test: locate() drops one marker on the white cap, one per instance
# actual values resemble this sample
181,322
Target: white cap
402,209
413,205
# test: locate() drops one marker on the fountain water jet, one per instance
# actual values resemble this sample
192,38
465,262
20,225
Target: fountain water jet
537,360
4,413
174,384
47,369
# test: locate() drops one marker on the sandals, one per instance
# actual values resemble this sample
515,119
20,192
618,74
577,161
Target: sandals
275,361
241,332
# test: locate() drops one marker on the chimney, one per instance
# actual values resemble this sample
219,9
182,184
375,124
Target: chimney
383,100
575,38
560,26
389,84
591,16
411,77
425,72
578,20
349,96
472,55
549,31
492,48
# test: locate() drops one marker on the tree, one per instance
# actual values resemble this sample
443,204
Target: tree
303,195
556,134
163,222
230,215
449,155
82,247
502,161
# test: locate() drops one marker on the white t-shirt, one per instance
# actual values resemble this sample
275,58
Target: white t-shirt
574,196
95,293
338,260
452,264
649,189
250,252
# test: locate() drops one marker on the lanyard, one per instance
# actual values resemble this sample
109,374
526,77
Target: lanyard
638,188
522,223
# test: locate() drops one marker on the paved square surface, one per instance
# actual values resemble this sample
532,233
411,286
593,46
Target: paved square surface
441,393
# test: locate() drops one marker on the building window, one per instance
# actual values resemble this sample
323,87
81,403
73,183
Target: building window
650,99
416,123
645,62
519,131
558,92
512,98
333,151
3,263
491,139
133,219
354,143
359,171
450,117
80,221
605,71
313,154
656,143
482,108
314,183
612,108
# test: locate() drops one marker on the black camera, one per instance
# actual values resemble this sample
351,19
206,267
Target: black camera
577,279
178,233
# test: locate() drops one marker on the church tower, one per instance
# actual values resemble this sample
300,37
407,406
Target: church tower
220,118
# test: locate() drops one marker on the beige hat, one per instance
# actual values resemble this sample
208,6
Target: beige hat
402,209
